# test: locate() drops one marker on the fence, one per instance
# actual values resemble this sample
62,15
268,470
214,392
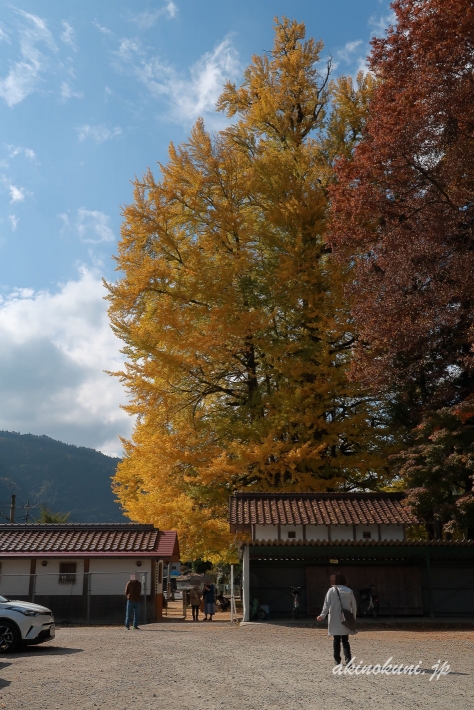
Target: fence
80,597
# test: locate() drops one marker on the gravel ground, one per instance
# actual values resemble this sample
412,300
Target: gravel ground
201,666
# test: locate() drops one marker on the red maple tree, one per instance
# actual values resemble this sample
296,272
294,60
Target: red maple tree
403,208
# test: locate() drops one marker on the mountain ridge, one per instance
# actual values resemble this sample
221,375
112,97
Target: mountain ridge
64,477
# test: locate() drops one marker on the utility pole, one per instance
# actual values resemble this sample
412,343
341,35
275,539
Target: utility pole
27,508
12,509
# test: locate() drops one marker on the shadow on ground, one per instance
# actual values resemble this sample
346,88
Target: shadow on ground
45,651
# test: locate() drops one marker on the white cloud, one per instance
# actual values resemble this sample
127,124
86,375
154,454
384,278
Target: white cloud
378,25
145,20
14,150
13,221
128,49
4,36
171,8
99,133
17,194
68,35
67,92
101,28
54,350
354,56
24,76
91,226
187,95
346,54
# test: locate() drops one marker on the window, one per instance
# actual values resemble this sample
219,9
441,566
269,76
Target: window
366,535
291,534
67,573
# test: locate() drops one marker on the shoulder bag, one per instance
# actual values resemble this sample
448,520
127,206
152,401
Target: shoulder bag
347,617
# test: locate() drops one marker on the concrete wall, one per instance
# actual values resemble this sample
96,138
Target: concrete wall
372,529
316,532
107,576
47,578
14,578
266,532
392,532
111,576
338,532
342,532
297,529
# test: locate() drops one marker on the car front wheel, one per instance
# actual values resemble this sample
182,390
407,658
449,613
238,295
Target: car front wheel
9,637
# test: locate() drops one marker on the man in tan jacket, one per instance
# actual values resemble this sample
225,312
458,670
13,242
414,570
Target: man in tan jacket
133,592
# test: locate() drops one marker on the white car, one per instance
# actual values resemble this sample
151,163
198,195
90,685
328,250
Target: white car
24,623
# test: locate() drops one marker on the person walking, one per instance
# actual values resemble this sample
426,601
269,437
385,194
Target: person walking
339,597
133,592
195,600
209,601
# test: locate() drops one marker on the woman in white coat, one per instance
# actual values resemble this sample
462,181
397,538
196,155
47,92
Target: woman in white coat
337,594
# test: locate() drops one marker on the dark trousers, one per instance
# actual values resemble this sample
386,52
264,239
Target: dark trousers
131,617
195,610
345,646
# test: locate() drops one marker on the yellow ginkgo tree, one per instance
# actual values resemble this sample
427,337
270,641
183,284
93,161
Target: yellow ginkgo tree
236,332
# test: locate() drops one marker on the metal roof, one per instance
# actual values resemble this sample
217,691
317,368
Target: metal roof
90,540
317,509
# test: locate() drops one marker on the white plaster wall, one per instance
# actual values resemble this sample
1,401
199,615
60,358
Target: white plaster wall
373,529
342,532
298,529
47,578
110,576
316,532
392,532
266,532
14,578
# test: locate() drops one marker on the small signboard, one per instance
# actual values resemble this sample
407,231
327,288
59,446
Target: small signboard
333,562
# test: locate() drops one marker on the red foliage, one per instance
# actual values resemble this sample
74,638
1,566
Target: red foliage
403,207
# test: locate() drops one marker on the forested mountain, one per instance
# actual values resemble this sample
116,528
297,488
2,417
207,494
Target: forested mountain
60,476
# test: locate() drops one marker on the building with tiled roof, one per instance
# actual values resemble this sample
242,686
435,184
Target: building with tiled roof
113,540
80,570
319,516
301,539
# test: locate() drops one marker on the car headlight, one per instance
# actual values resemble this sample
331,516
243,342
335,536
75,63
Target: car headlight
23,610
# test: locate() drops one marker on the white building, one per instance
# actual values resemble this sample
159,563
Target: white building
80,571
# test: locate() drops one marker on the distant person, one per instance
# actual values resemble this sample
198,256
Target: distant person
209,595
133,592
195,601
339,597
224,603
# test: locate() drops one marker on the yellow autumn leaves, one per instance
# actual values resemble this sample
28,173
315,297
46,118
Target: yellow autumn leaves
232,311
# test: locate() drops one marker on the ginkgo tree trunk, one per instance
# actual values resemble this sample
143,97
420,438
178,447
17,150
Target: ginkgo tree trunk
232,313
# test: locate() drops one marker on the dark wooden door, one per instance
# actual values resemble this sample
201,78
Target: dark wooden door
398,588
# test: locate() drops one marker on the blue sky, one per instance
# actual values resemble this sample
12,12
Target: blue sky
91,94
